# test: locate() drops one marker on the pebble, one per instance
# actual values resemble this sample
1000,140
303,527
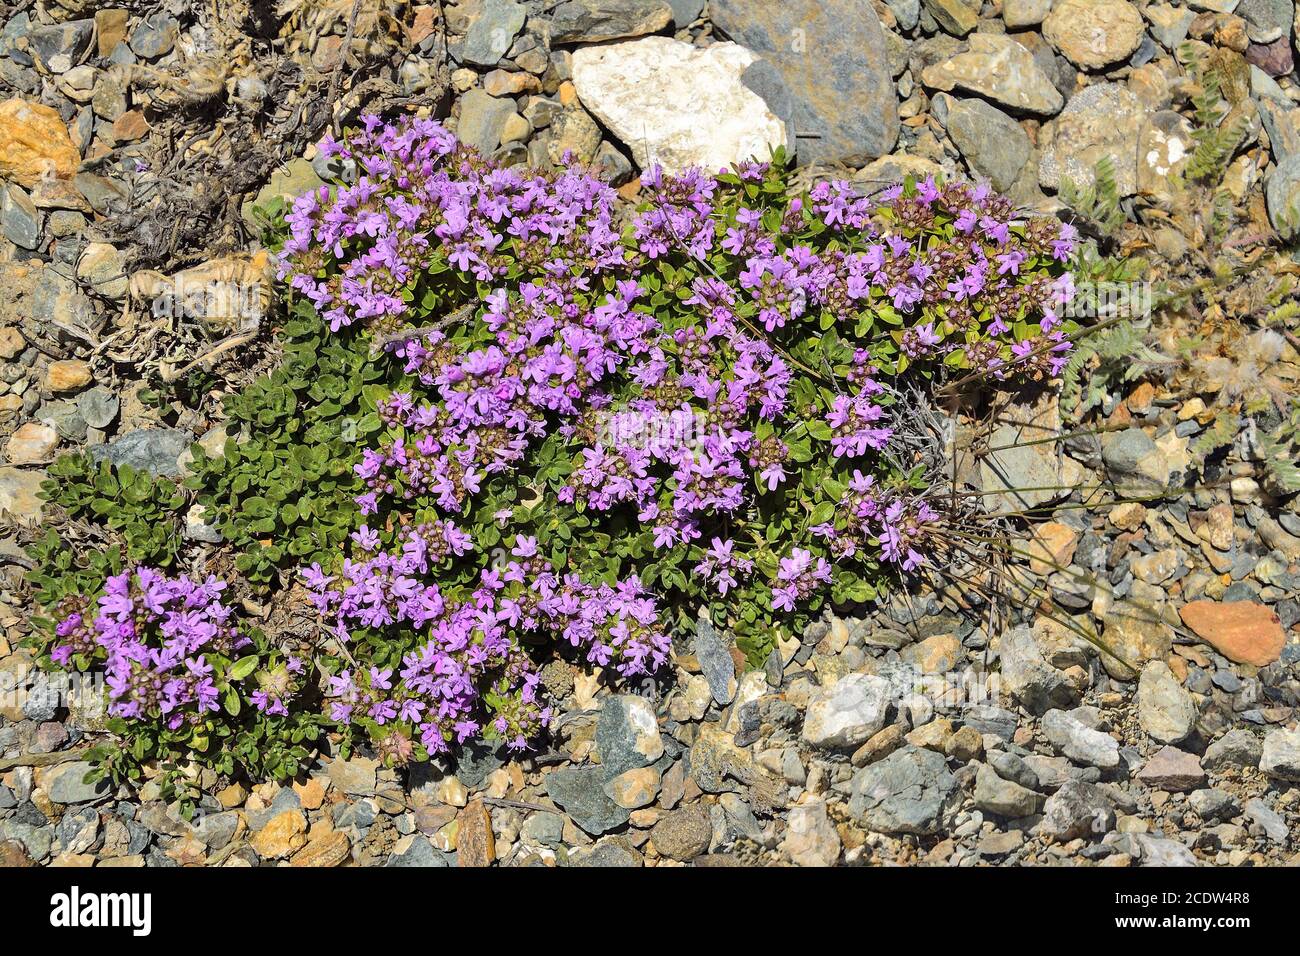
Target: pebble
715,661
31,444
155,450
1173,770
1078,741
1165,710
492,34
1001,69
593,21
1028,677
580,792
1078,810
1280,757
34,143
1004,798
65,784
682,834
69,375
627,735
1103,120
475,843
1093,34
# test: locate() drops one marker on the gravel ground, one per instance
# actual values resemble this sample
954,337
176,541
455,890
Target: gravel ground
932,729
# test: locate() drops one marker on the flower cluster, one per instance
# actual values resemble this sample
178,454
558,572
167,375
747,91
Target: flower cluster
472,675
158,638
689,403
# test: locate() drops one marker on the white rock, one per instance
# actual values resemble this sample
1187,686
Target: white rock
1165,710
1079,742
811,838
675,104
847,712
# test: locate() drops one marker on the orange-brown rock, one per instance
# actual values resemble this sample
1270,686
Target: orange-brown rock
1241,631
34,143
475,845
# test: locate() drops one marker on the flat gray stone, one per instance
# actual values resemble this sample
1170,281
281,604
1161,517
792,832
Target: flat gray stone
910,791
580,792
832,57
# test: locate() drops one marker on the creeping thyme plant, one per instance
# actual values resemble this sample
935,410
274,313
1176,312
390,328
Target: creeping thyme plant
644,416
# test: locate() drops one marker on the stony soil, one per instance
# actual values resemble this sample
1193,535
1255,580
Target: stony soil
930,730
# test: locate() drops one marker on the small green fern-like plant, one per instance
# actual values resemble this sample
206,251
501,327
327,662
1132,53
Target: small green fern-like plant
1097,203
1115,354
1280,450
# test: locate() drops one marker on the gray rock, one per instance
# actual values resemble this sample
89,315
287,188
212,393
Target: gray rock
546,829
98,406
991,719
715,661
848,712
1282,122
1282,194
1011,767
419,853
216,830
42,699
155,450
627,735
1004,798
475,761
1132,454
20,220
67,40
493,33
62,413
610,852
1268,820
154,36
994,145
591,21
35,840
906,12
579,791
910,791
1267,20
1213,805
1102,120
833,59
1028,677
1165,710
957,17
1081,743
1169,24
355,777
1077,810
1024,470
1161,851
482,118
1281,754
1236,748
686,12
66,784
